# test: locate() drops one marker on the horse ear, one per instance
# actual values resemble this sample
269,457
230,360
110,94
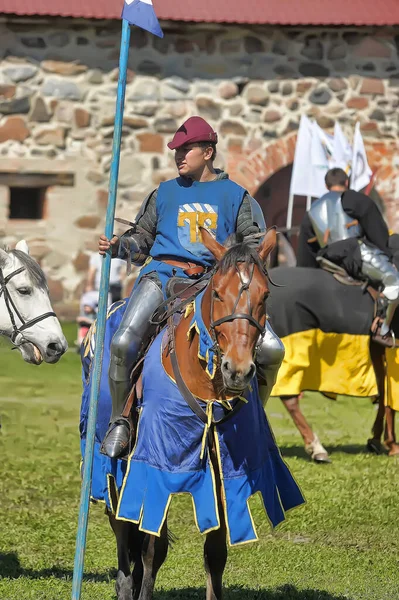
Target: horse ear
213,246
23,246
268,244
4,258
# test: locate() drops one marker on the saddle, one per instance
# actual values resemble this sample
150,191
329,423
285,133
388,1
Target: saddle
179,293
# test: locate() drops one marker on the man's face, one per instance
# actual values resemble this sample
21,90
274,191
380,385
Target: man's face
192,158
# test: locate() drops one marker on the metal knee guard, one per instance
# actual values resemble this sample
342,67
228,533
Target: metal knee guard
377,267
269,356
131,337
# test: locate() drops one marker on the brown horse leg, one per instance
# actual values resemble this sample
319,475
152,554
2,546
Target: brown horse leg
313,446
153,555
377,353
124,579
292,405
215,547
390,436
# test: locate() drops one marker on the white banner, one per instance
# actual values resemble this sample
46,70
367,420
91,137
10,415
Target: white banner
300,178
321,149
342,150
361,172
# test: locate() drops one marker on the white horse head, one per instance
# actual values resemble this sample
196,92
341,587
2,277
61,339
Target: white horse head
26,315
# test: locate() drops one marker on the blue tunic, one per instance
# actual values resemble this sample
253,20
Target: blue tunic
183,206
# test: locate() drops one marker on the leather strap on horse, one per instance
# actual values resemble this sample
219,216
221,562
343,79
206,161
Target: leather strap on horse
178,307
190,269
191,400
133,395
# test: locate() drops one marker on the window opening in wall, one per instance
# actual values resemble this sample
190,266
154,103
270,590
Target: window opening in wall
27,202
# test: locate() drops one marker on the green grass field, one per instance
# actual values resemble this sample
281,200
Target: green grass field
343,544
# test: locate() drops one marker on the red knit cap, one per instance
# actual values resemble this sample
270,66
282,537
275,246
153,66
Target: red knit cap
195,129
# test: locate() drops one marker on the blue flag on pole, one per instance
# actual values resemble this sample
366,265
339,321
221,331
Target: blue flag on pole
142,14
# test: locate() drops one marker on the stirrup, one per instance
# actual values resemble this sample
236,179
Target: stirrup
125,446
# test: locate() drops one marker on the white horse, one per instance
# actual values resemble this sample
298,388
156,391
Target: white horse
26,315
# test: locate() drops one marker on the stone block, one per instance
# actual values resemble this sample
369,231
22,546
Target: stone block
372,86
357,103
52,136
232,128
178,83
149,67
102,199
337,85
253,44
150,142
228,90
313,48
95,177
87,221
56,290
64,112
81,262
59,39
63,68
165,125
95,76
272,116
303,86
372,48
144,91
81,118
208,108
320,96
256,94
135,122
39,113
313,70
7,91
20,73
14,128
15,106
337,52
130,75
63,89
33,41
325,122
377,115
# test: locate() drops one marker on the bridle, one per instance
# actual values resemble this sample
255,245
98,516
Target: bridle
244,288
17,336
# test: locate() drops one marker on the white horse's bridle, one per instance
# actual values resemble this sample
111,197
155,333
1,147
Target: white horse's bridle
17,336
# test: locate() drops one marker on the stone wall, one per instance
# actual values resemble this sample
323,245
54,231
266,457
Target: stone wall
57,99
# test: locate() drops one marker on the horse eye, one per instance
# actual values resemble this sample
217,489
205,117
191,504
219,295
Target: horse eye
24,291
216,295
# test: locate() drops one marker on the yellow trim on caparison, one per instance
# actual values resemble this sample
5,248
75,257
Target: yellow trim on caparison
128,470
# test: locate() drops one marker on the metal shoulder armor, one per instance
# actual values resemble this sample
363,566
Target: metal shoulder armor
330,222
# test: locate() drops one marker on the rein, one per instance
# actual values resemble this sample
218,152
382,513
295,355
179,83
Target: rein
14,312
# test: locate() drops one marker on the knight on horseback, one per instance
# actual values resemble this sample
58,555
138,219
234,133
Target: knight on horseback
165,242
346,228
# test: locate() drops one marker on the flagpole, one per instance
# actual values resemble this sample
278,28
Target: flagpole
101,320
289,212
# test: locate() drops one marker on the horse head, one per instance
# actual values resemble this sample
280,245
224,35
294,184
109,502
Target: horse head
26,315
235,301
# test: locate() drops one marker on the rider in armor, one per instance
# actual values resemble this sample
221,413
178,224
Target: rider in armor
165,240
347,228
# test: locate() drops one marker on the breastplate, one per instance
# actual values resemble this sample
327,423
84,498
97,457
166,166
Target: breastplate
330,222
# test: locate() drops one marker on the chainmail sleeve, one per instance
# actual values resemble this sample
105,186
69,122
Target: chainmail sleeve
247,222
137,242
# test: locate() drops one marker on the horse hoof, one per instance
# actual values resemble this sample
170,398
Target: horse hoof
124,586
321,458
375,447
317,452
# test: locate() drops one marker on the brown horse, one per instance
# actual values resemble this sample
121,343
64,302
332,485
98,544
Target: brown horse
233,310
